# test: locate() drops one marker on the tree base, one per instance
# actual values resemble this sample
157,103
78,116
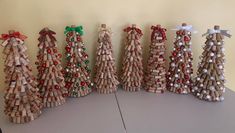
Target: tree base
180,91
153,90
80,93
131,89
206,97
53,104
25,119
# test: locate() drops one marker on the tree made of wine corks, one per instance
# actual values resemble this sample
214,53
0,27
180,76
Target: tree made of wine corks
209,82
22,99
105,71
77,71
179,76
156,71
132,68
50,75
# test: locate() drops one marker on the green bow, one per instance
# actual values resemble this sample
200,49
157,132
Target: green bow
78,29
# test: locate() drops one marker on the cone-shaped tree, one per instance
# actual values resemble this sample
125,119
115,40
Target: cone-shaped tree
179,76
209,83
22,99
105,70
77,71
50,77
132,68
155,78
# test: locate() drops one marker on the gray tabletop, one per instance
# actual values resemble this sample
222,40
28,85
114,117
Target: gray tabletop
132,112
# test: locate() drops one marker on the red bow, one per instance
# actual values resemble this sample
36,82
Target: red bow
133,28
15,35
43,34
158,29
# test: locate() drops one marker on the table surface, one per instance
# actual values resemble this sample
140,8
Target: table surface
132,112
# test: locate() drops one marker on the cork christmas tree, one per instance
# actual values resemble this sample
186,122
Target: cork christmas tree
105,70
77,71
50,76
132,68
209,82
155,78
22,99
179,76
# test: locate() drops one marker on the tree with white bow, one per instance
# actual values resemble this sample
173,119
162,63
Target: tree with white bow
132,68
105,71
179,76
209,82
155,78
22,99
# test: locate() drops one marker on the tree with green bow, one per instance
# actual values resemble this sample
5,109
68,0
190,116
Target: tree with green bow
77,71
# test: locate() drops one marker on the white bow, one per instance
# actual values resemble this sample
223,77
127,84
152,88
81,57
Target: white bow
213,31
187,27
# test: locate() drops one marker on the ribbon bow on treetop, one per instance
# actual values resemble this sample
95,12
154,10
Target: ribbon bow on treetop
48,32
159,29
14,34
133,28
213,31
185,27
78,29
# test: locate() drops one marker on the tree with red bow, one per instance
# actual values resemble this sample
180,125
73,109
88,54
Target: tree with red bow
105,70
77,71
179,77
209,82
132,68
156,72
22,99
50,76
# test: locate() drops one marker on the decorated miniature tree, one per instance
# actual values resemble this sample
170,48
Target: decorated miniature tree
179,76
105,70
22,99
77,71
132,68
209,83
50,76
156,71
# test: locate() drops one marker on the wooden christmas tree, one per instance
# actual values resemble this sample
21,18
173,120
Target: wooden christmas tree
156,72
209,83
77,71
22,99
50,77
105,70
179,77
132,69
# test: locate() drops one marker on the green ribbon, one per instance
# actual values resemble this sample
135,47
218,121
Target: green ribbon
78,29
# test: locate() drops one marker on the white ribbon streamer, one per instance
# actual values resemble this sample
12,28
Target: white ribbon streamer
187,28
213,31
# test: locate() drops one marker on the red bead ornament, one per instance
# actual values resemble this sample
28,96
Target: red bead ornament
67,48
55,62
48,51
186,39
57,87
83,83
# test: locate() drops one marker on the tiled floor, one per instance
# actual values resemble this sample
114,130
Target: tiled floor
132,112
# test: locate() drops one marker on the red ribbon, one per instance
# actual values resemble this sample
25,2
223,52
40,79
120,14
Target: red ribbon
133,28
43,34
15,35
158,29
